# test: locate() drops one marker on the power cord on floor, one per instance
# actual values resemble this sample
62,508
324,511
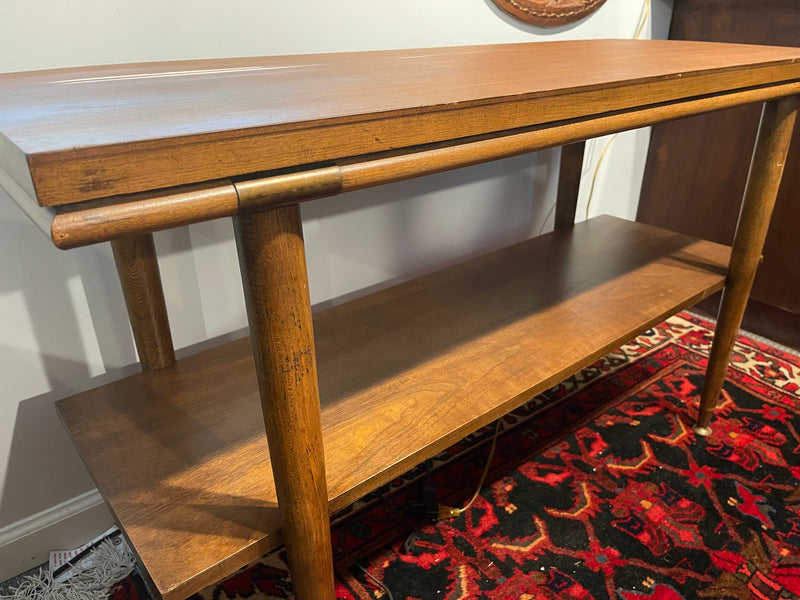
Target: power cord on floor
449,512
376,581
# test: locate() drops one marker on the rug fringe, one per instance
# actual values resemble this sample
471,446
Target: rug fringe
110,564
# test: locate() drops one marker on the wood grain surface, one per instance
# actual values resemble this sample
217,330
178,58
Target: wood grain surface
136,214
100,220
272,261
772,146
181,456
569,185
140,278
100,131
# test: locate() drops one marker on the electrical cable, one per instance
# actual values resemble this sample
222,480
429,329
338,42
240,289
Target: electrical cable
596,171
448,512
646,11
645,15
376,581
546,217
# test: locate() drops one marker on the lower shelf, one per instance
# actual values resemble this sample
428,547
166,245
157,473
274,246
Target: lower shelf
181,457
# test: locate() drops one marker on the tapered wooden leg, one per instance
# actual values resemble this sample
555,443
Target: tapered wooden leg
137,267
569,181
273,265
766,169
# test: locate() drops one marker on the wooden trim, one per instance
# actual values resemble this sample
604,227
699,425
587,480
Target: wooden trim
363,172
290,188
101,220
372,110
170,208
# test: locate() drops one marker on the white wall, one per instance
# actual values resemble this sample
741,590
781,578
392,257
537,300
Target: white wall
63,326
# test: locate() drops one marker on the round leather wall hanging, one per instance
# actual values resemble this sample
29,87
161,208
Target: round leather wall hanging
549,13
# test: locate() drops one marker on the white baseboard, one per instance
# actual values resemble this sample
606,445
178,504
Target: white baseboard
27,543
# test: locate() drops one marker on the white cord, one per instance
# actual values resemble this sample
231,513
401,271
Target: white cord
643,18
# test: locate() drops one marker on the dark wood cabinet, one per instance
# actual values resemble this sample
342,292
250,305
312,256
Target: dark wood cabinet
697,167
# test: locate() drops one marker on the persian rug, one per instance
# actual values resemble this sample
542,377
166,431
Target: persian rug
598,489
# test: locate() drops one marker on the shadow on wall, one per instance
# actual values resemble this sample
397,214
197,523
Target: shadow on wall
66,329
402,230
43,338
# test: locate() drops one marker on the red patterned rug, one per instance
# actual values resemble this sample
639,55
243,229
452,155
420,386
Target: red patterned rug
598,489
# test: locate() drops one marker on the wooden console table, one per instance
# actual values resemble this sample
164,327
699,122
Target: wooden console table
386,381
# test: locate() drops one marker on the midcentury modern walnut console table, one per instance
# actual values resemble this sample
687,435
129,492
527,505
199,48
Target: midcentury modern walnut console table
386,381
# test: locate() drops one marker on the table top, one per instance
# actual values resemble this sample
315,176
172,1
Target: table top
70,135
